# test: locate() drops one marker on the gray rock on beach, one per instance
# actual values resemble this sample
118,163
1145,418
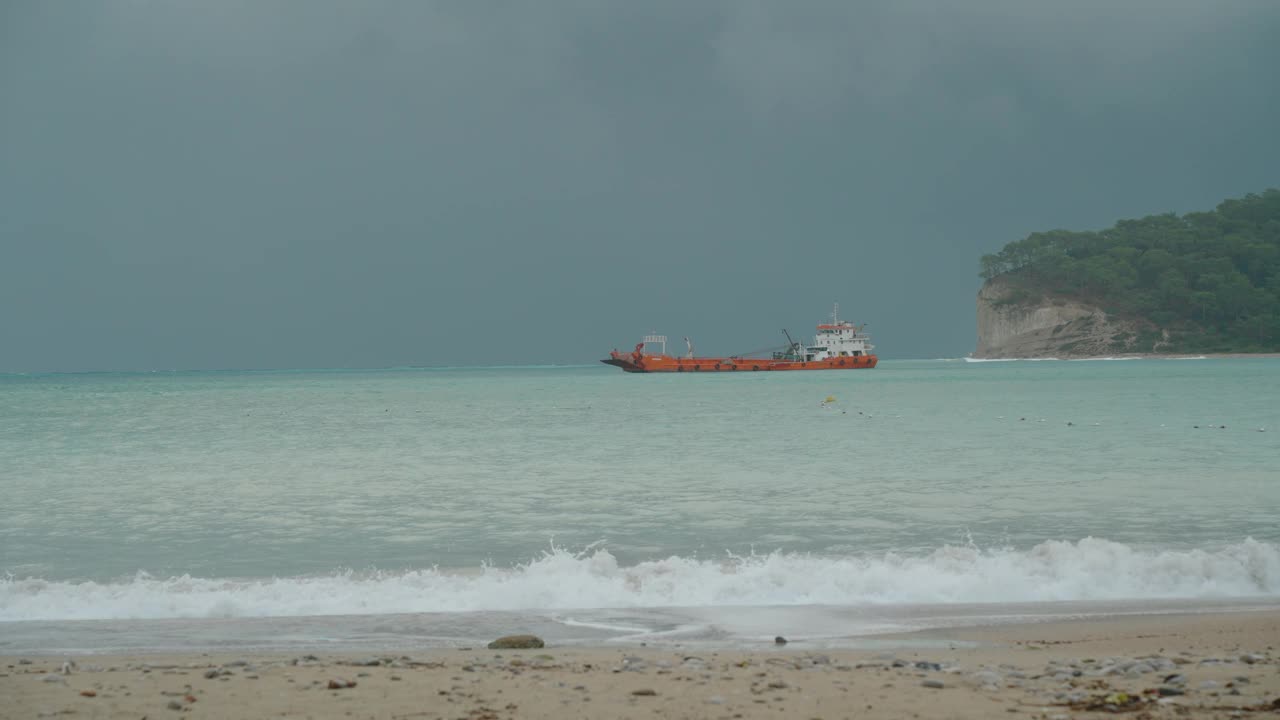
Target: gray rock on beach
517,642
987,679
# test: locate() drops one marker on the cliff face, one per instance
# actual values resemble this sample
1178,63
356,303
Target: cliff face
1012,327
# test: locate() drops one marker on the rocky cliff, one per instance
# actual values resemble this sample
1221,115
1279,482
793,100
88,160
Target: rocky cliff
1016,323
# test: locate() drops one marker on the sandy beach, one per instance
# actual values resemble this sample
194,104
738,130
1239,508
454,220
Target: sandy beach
1212,666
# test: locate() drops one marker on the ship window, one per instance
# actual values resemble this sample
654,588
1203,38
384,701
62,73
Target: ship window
844,353
856,353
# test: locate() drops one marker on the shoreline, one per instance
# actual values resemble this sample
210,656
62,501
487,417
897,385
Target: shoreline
1162,666
1133,356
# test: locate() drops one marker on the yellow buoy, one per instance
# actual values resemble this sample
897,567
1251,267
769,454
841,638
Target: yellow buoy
830,399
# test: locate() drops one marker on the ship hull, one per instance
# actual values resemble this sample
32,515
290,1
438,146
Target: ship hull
666,363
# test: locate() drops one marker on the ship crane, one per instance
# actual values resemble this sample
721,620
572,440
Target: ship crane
792,345
689,344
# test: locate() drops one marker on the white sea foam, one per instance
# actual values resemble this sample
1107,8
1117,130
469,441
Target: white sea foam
1090,569
1000,360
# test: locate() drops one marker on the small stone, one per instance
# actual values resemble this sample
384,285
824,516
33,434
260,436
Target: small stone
1251,658
89,693
24,661
935,684
340,683
212,673
1166,691
517,642
1208,685
987,678
644,691
778,685
1138,670
779,640
53,678
716,700
174,705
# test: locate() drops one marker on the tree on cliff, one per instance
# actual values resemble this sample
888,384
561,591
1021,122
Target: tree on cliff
1211,279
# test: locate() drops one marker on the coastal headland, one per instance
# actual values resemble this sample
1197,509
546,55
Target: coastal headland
1200,283
1155,666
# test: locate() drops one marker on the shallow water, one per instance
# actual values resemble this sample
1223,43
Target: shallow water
534,491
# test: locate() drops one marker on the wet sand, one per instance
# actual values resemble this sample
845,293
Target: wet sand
1159,666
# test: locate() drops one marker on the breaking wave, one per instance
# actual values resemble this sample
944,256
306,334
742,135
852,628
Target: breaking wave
998,360
1090,569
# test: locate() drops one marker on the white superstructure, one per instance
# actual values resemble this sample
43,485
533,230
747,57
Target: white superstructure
840,338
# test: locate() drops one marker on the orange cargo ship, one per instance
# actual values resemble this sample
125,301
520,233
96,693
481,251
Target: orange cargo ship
839,345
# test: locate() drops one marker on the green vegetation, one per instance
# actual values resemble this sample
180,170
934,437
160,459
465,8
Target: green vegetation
1211,280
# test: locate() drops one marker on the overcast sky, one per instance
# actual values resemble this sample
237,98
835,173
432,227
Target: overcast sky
310,183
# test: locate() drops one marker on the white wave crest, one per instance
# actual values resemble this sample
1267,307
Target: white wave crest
995,360
1090,569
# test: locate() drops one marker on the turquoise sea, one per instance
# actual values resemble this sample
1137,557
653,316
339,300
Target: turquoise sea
438,507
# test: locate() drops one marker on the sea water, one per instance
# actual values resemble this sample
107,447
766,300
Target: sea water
440,507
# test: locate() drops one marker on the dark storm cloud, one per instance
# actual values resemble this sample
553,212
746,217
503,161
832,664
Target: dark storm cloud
247,184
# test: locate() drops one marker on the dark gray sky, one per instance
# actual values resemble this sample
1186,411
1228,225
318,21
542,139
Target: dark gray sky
311,183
